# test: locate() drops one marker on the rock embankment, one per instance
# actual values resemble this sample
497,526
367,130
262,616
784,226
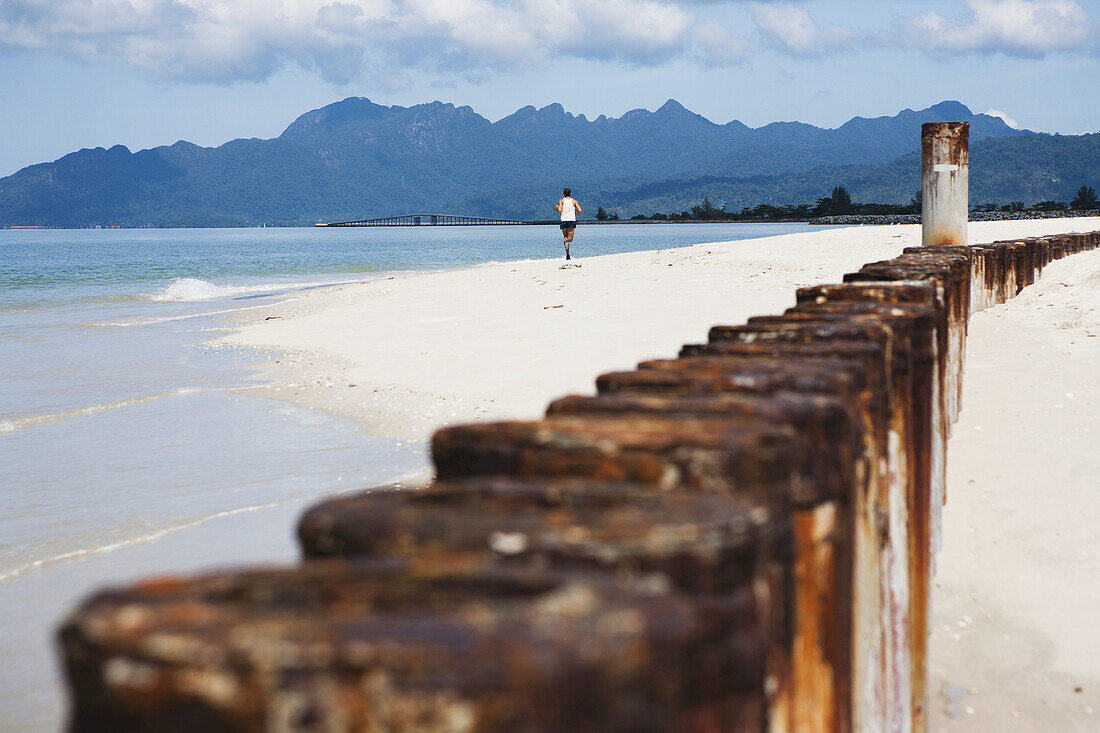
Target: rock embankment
851,219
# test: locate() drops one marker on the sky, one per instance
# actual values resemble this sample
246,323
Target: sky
141,73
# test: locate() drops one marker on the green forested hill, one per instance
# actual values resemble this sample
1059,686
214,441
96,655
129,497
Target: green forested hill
356,159
1028,168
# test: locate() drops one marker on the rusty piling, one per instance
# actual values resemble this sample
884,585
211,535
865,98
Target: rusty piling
945,182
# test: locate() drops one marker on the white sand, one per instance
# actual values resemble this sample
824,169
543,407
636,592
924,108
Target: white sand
502,340
1017,603
1018,598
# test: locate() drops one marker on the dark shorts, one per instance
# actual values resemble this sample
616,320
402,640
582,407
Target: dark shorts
569,225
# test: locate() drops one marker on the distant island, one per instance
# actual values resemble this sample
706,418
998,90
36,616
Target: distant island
355,159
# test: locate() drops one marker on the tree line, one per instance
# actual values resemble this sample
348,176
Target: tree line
839,202
1085,201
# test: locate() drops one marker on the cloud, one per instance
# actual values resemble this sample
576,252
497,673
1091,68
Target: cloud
231,40
1025,28
1004,117
716,47
639,32
789,28
387,42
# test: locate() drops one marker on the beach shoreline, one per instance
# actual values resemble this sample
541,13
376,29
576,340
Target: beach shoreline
500,341
412,353
409,354
404,355
132,448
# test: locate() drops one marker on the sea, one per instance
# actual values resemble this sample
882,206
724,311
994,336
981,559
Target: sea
130,446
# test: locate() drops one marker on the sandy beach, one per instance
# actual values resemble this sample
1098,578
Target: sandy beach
410,354
1018,582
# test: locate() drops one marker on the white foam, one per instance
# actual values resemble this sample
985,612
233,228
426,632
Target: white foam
18,423
190,289
186,289
187,316
12,573
414,478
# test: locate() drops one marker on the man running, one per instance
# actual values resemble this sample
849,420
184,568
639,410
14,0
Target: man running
569,209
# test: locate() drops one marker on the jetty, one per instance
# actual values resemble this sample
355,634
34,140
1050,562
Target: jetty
429,220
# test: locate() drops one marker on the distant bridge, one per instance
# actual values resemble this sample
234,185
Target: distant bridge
429,220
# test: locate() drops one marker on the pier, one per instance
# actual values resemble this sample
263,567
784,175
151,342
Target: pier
428,220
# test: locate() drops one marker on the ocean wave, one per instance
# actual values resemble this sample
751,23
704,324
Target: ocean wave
7,574
190,289
18,423
410,478
117,298
187,289
186,316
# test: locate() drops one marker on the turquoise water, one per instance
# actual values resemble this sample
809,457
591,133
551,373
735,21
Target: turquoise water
44,268
105,361
126,440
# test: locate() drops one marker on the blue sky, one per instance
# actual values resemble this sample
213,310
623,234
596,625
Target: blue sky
85,73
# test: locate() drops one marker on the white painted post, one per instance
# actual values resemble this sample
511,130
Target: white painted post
945,182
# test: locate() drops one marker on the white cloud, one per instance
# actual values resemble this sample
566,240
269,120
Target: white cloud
716,47
230,40
791,29
639,32
1004,117
387,42
1028,28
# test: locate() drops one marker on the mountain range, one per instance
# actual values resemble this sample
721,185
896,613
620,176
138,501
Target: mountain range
356,159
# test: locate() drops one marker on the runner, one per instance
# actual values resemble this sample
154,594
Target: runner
569,209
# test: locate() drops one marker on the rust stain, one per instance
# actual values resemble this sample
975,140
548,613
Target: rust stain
944,183
813,672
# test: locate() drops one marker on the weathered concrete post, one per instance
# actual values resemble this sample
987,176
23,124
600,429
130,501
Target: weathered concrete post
945,182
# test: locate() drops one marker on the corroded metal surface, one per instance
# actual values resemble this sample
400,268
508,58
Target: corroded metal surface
945,182
703,543
770,463
928,499
702,376
863,522
833,436
410,647
820,652
952,281
870,345
906,480
915,328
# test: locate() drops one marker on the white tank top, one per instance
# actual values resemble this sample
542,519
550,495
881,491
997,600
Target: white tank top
568,209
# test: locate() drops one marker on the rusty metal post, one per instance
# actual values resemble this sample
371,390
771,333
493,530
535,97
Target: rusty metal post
945,182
